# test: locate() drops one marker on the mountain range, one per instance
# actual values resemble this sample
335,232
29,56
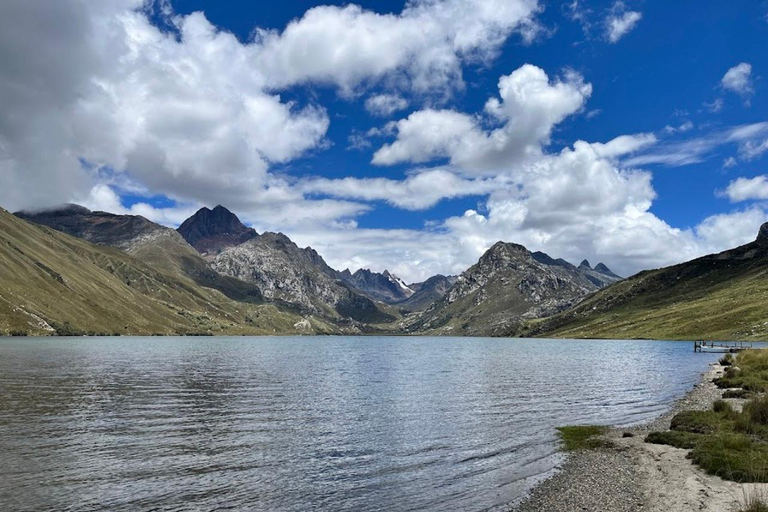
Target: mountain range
71,270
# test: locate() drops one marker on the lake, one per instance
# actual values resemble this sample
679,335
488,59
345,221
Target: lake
300,423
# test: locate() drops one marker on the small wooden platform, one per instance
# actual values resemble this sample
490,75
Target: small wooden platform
721,346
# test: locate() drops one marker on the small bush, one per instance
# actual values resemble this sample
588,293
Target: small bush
18,332
66,329
726,360
582,437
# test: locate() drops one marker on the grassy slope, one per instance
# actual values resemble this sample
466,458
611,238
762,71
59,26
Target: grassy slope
49,277
720,297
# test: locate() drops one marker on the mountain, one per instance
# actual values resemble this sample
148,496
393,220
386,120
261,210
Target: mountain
162,248
282,270
601,275
212,231
56,283
721,296
121,231
508,285
378,286
427,292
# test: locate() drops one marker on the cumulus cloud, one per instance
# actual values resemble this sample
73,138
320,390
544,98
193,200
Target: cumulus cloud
427,42
620,22
744,189
528,108
96,101
193,113
738,79
384,105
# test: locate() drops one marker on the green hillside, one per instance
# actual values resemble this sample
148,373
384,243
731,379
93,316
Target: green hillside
52,282
719,297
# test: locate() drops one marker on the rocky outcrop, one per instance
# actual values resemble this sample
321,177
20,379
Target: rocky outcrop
762,235
212,231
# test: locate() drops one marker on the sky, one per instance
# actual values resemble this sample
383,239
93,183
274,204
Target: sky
408,136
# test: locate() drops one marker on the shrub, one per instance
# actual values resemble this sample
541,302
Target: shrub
66,329
726,360
18,332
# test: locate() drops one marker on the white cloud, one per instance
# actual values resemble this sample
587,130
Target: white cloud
738,79
529,107
419,191
753,149
686,126
750,140
620,22
198,116
384,105
426,42
715,106
745,189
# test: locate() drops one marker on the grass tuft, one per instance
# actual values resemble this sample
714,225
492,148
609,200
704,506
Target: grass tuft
583,437
756,506
732,445
757,410
736,393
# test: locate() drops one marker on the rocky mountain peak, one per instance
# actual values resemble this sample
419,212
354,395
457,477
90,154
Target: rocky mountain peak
384,286
601,267
502,251
585,264
212,231
762,236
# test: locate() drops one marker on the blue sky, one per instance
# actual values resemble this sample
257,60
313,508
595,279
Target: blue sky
169,106
662,73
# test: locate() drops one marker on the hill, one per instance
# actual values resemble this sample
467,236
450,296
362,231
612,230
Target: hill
56,283
717,297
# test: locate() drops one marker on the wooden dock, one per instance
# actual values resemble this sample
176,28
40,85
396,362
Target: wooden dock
721,346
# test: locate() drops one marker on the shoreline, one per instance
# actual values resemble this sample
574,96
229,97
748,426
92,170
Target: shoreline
635,476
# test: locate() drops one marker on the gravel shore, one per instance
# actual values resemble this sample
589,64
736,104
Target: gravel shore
636,476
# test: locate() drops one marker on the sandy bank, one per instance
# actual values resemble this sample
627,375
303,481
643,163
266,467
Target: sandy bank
639,476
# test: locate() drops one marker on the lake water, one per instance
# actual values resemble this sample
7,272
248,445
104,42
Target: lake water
302,423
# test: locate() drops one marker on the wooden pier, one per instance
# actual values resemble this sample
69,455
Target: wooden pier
721,346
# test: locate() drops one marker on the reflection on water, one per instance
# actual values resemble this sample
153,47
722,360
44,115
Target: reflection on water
301,423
